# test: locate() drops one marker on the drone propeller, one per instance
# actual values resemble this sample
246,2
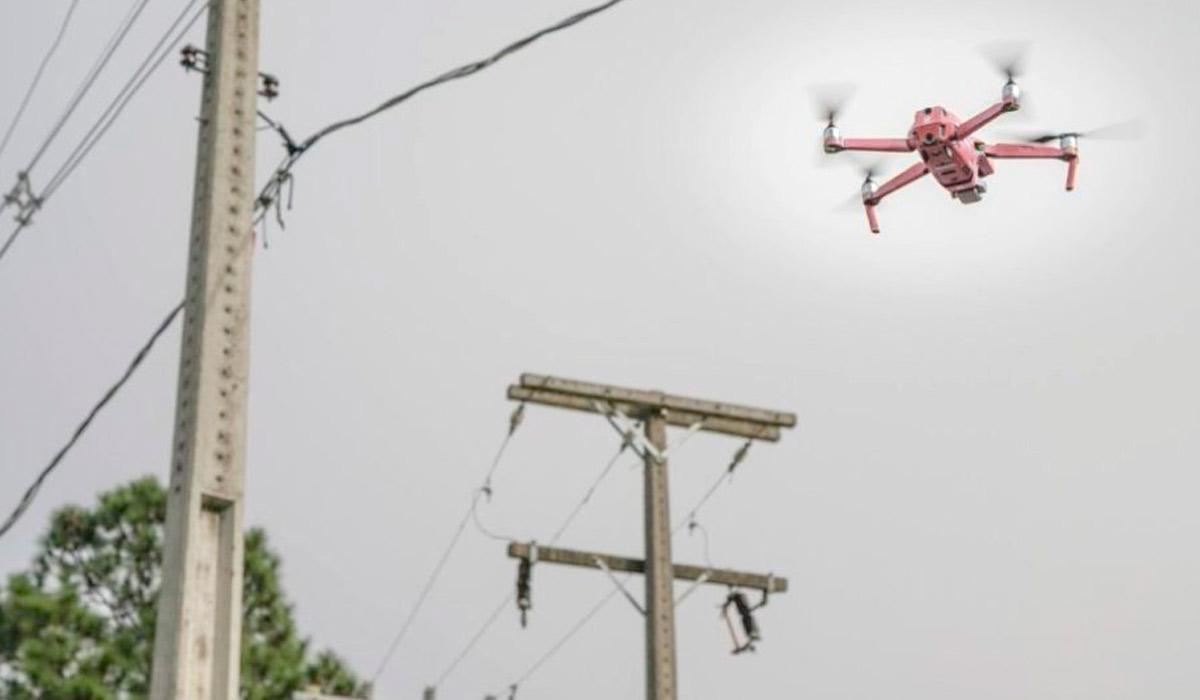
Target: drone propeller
869,171
1128,130
831,99
1008,58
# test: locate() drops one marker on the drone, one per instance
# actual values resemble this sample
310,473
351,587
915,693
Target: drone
950,152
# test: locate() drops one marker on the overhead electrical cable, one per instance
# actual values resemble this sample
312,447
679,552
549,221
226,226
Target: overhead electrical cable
106,55
295,151
32,491
628,441
149,65
514,422
558,646
37,78
263,203
562,529
134,84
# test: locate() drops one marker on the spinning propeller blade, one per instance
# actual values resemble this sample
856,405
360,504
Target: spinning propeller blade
869,169
1128,130
1008,58
831,99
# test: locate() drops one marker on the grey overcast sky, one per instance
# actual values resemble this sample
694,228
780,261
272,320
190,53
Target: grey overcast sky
992,490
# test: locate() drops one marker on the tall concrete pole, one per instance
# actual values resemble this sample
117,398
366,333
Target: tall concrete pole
660,577
198,635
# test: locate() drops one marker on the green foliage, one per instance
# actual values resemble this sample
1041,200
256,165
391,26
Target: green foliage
79,624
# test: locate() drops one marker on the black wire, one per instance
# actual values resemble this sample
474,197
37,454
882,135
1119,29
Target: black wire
491,620
724,478
31,493
475,639
562,642
90,80
12,237
126,94
37,76
271,189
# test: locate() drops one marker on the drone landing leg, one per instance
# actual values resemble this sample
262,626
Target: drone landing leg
1036,152
910,175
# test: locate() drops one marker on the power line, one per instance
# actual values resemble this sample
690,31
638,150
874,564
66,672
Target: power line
106,55
31,493
37,78
12,237
282,173
149,65
487,624
562,641
566,524
514,422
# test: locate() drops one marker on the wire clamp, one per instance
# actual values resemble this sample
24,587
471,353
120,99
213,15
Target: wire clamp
22,196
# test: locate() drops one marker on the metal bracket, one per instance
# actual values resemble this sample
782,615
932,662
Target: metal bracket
21,195
625,428
620,585
691,589
196,59
630,435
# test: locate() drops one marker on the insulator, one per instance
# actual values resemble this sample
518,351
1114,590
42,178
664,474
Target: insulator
524,589
746,613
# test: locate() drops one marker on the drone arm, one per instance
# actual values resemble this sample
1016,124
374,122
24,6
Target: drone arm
913,173
1025,150
1038,152
986,117
875,145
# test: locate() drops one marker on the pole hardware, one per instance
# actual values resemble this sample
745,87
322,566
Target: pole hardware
750,629
194,58
524,584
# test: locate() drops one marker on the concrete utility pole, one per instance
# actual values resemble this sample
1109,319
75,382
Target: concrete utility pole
657,411
198,635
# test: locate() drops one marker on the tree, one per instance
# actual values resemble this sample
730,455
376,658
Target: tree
79,624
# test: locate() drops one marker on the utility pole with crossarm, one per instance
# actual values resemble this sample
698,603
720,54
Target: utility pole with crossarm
621,406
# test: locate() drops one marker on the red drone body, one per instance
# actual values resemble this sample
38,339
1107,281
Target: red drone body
949,152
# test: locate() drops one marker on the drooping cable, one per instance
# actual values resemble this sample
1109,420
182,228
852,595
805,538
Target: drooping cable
282,174
32,491
37,78
514,422
562,529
